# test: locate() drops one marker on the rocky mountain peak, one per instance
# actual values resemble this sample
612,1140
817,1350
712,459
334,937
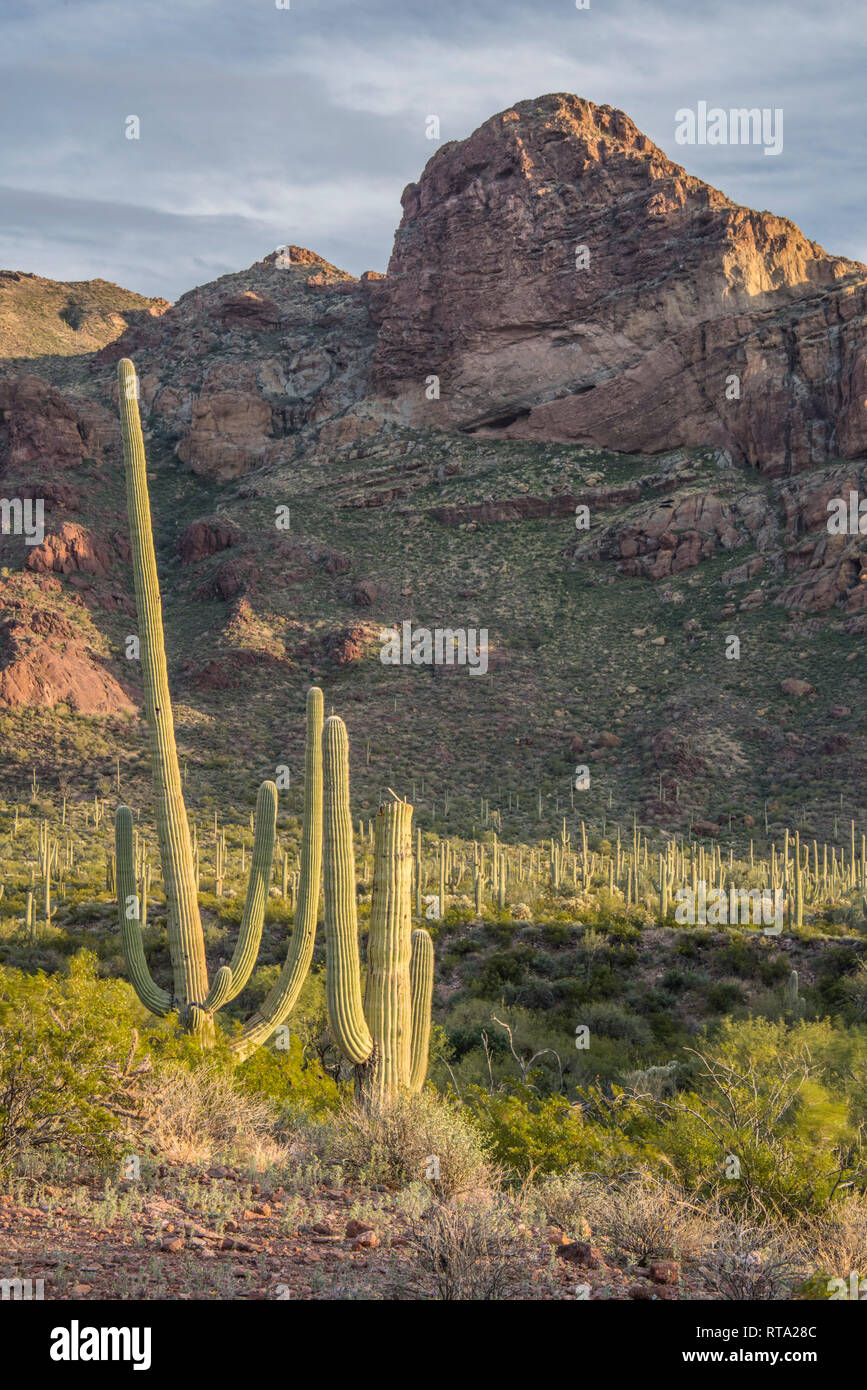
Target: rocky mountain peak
565,280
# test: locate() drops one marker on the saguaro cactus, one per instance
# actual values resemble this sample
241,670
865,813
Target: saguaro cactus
191,995
387,1037
794,1002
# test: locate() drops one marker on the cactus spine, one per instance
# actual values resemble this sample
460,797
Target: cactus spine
191,995
387,1036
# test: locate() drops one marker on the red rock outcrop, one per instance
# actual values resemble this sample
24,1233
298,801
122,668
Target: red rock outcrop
248,311
629,346
206,537
307,339
39,424
44,662
70,550
229,433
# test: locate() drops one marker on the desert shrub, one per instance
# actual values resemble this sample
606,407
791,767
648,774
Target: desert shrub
738,958
556,934
291,1077
775,970
66,1048
852,992
572,1202
468,1252
834,976
406,1139
647,1217
676,980
535,995
502,968
196,1114
749,1263
769,1120
568,992
613,1021
531,1134
655,1081
724,995
834,1244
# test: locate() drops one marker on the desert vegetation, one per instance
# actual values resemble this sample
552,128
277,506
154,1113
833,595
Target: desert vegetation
608,1062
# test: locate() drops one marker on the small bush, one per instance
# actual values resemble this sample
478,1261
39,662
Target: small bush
724,995
198,1115
468,1253
749,1264
407,1139
648,1218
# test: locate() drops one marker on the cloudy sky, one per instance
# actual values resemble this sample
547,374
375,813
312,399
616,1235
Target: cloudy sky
261,125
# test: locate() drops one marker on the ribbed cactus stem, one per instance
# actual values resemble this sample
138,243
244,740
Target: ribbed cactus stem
129,918
231,979
387,1003
421,975
282,997
186,941
343,980
796,1003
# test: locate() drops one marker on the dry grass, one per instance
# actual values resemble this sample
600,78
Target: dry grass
468,1252
198,1116
836,1242
646,1217
750,1263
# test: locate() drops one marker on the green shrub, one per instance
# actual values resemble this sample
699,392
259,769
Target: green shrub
724,995
613,1021
530,1134
406,1139
65,1042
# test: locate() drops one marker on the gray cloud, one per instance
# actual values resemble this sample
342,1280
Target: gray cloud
260,126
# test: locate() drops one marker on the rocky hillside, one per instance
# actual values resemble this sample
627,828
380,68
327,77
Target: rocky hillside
292,390
41,318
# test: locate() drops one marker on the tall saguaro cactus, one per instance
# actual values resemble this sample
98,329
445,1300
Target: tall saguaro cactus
196,1001
387,1037
186,941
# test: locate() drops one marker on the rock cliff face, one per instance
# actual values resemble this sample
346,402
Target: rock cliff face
566,281
239,373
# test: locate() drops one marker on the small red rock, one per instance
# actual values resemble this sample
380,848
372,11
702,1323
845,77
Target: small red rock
581,1252
663,1271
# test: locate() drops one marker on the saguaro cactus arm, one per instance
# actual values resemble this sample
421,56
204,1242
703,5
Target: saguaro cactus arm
231,979
421,975
158,1000
343,978
281,999
186,941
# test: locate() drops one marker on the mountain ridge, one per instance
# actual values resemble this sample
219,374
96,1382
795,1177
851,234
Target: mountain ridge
295,385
